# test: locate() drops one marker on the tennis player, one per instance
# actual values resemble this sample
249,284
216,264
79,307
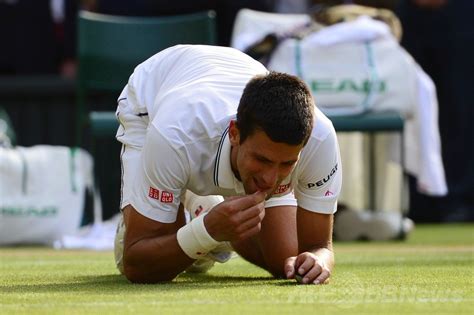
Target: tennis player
200,122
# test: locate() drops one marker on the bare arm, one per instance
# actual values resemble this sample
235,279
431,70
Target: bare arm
151,249
316,259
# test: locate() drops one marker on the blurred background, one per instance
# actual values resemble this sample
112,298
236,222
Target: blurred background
39,81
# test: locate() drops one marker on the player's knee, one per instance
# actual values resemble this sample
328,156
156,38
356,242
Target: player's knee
133,274
136,275
276,269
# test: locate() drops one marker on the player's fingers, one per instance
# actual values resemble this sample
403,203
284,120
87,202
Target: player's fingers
255,211
307,263
323,277
250,223
300,259
289,267
249,232
248,201
228,198
262,213
312,274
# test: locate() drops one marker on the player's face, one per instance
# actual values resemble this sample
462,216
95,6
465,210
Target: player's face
260,163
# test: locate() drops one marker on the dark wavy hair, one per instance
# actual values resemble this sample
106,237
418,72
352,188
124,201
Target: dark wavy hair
279,104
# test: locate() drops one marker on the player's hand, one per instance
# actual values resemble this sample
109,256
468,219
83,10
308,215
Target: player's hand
307,268
236,218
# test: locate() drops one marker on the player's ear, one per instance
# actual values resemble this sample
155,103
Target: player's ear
234,133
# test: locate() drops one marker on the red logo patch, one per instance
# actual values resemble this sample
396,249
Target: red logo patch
154,193
282,188
198,210
166,197
328,193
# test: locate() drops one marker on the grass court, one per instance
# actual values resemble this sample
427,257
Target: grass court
430,273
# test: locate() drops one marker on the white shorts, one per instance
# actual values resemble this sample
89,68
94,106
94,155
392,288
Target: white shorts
131,133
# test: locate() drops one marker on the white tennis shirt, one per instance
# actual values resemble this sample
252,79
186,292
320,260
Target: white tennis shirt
190,94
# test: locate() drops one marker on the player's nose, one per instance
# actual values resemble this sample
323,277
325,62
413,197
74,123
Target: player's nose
269,178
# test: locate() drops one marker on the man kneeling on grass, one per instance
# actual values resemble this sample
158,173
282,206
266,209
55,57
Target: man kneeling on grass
197,122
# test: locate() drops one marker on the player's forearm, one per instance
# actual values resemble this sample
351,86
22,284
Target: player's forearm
315,235
155,259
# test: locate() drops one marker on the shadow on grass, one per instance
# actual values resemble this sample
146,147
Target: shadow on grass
114,283
196,277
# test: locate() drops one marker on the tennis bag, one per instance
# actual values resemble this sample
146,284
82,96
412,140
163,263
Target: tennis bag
351,67
42,192
351,77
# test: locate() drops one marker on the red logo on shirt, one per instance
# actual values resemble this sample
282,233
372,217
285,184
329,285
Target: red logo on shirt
282,188
166,197
198,210
154,193
328,193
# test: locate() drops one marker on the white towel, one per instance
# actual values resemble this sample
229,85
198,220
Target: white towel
422,140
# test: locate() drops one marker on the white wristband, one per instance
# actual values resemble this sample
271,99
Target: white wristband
194,239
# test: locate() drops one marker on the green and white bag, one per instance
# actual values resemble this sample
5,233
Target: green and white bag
42,192
351,77
351,67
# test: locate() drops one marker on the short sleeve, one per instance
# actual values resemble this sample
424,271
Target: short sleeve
319,175
160,180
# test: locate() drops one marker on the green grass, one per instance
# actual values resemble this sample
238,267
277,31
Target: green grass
431,273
